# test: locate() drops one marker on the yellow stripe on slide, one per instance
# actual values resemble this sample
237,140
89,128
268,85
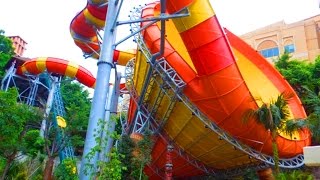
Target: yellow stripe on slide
92,19
124,57
99,1
24,69
72,69
175,41
200,11
41,63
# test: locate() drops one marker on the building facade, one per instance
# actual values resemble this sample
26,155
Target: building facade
19,45
301,39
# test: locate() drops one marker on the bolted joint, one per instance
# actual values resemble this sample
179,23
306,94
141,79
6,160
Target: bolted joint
169,166
170,148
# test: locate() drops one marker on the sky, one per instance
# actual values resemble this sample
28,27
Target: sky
44,24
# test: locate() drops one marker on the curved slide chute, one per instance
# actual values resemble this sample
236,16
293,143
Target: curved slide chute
84,27
59,66
62,67
223,76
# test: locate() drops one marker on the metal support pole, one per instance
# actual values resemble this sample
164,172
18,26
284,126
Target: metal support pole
48,106
8,76
89,158
110,125
105,134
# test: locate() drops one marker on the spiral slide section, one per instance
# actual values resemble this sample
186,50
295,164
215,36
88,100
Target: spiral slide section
224,77
84,28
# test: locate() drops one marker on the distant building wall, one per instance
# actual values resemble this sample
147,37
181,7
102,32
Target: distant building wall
19,45
301,39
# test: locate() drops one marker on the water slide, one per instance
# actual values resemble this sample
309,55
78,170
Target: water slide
60,67
223,78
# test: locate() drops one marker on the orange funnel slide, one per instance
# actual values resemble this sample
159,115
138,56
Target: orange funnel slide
224,88
223,76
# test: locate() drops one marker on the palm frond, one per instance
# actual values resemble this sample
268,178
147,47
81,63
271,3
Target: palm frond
293,125
249,114
282,103
314,125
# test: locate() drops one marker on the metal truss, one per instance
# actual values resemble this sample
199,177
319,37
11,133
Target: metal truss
283,163
145,119
58,108
27,91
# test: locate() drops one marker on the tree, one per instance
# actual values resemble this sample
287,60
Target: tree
77,104
305,79
125,147
14,119
142,156
312,103
272,116
6,51
66,170
298,73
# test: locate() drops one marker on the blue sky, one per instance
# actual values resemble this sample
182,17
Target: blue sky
44,24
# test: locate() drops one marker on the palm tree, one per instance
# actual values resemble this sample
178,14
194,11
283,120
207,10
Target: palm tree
311,100
272,116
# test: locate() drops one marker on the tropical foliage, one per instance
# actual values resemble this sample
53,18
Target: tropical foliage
77,104
273,116
14,129
66,170
295,175
304,77
6,51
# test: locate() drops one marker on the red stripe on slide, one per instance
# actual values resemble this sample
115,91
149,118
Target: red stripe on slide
31,67
208,47
116,55
85,77
98,12
176,5
56,65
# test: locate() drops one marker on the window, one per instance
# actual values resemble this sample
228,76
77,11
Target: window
289,48
270,52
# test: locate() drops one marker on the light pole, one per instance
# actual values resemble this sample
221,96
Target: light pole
97,113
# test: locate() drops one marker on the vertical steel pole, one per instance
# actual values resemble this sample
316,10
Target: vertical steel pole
106,130
100,94
111,125
8,76
48,106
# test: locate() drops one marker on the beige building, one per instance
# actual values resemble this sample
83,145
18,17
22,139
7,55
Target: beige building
19,45
301,39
